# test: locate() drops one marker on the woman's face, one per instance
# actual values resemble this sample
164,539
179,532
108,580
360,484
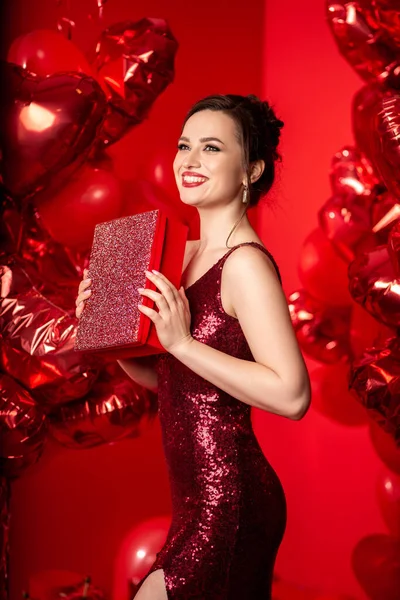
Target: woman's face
208,166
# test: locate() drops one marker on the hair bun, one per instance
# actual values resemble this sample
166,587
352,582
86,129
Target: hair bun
267,118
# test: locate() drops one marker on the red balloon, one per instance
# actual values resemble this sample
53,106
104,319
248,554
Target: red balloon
141,195
374,285
157,167
322,273
387,15
387,142
22,428
351,172
358,43
388,492
376,564
346,222
364,110
385,447
46,125
37,346
365,331
92,195
137,554
54,270
44,52
332,398
385,211
135,61
322,332
113,409
375,380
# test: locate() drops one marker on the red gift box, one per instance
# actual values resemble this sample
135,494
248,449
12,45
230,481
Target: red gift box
122,250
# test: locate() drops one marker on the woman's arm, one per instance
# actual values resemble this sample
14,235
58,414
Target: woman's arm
278,381
141,370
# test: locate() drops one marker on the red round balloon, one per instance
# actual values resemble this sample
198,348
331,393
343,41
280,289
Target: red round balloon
376,564
388,493
138,552
91,196
44,52
331,396
322,272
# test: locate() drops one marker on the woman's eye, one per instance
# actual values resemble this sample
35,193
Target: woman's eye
182,147
213,148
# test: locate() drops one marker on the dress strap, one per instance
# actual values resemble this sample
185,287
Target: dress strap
257,245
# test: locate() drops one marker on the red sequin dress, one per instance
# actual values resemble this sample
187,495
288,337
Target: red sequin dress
229,508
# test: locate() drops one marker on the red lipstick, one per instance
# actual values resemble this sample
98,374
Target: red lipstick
189,183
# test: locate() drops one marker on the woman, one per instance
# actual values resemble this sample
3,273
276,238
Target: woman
230,345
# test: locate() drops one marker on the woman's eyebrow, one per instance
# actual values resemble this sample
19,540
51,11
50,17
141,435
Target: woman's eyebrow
203,139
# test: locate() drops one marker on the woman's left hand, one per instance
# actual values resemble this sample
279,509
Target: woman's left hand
172,321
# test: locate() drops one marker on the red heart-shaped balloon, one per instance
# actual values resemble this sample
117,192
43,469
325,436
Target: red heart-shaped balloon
47,124
134,63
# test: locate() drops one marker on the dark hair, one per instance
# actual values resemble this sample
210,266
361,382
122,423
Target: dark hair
258,130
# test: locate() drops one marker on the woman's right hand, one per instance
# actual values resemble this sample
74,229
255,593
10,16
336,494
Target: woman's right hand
83,294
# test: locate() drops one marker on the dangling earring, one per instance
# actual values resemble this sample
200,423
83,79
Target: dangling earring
245,194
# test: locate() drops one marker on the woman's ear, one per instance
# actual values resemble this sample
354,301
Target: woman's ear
256,171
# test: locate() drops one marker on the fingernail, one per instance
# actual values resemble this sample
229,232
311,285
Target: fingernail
140,289
87,280
156,272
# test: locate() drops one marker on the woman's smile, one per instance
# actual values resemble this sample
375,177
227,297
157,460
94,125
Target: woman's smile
191,179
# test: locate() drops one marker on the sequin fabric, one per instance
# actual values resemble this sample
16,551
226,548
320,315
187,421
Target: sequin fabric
111,317
229,508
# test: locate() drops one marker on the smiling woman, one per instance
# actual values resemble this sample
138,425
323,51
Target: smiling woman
230,346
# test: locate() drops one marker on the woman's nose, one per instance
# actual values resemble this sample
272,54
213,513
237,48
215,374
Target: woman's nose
191,159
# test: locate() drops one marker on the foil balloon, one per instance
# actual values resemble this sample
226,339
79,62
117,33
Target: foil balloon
387,16
346,222
364,109
135,61
351,172
322,332
385,212
113,410
38,344
374,280
358,43
22,428
387,142
55,270
45,52
375,380
388,494
47,124
375,562
92,192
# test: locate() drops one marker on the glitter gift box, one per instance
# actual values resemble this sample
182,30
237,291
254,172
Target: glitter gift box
122,250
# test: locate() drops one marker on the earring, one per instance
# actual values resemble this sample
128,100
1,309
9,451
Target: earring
245,194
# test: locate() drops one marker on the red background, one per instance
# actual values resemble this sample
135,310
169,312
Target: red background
73,509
